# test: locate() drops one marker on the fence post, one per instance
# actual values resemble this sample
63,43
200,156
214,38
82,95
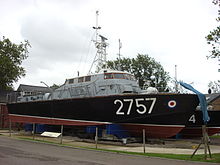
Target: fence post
96,137
10,127
1,116
205,140
144,140
33,131
61,136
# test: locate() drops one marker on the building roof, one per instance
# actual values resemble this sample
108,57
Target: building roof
212,97
32,88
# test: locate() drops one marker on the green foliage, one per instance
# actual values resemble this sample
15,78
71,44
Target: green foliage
143,68
55,86
214,36
11,57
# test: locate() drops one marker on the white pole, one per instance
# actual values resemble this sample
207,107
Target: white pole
33,131
96,137
176,85
61,136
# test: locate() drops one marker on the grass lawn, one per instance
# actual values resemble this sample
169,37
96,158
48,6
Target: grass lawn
216,136
200,157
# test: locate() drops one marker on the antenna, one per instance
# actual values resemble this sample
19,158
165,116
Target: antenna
119,53
176,83
119,49
96,27
101,46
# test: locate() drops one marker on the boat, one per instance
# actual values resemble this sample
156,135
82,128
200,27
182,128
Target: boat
107,97
194,125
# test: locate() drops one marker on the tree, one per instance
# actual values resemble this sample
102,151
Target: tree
214,36
11,57
214,86
55,86
144,68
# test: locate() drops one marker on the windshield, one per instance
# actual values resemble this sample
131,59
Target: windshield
119,76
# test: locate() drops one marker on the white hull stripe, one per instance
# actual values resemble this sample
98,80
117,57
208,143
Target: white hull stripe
52,118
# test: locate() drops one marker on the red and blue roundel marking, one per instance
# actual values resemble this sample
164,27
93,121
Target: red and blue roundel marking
172,103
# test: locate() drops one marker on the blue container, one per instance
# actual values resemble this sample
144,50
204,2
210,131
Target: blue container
116,130
39,128
28,127
92,129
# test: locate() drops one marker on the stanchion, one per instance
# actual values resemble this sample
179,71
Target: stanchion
33,131
206,142
144,140
10,127
61,135
96,137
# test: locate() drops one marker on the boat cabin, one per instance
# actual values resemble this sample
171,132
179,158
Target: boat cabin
106,75
106,82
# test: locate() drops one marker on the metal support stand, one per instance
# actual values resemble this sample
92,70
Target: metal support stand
205,141
144,140
96,137
61,135
33,131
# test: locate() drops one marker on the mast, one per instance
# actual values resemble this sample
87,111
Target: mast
96,27
176,83
119,49
119,54
101,45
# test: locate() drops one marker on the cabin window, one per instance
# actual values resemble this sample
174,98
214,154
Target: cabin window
118,76
71,81
88,78
108,76
80,79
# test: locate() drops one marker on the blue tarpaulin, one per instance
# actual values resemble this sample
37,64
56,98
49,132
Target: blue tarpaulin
202,100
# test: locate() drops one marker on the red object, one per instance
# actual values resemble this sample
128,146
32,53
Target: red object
52,121
153,130
4,118
197,131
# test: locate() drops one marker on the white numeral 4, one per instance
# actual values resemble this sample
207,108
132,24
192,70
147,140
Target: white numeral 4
192,119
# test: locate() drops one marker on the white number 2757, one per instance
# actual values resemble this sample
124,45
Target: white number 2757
141,108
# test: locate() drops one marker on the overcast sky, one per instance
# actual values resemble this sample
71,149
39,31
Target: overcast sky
60,33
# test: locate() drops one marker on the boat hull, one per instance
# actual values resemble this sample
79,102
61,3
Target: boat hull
153,130
134,111
194,124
